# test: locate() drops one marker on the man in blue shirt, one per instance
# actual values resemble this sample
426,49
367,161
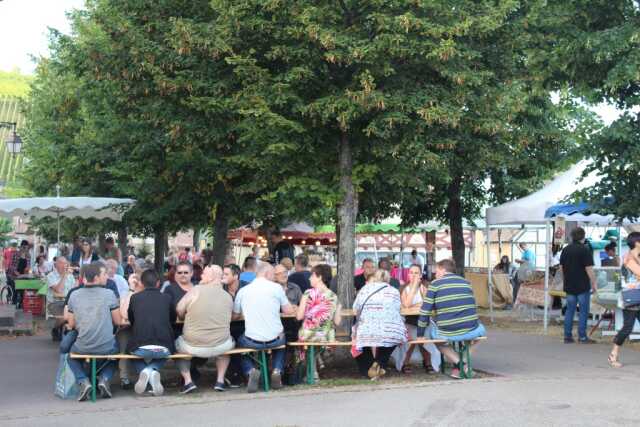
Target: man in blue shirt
248,271
527,255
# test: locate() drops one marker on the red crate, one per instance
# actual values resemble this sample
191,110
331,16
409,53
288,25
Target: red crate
32,303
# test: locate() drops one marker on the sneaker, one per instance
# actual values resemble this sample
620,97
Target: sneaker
568,340
374,370
143,380
219,387
188,388
156,385
125,384
276,379
254,381
84,390
234,381
104,389
586,341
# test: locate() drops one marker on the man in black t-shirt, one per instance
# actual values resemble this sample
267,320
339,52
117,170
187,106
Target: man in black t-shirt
576,262
302,273
281,248
368,270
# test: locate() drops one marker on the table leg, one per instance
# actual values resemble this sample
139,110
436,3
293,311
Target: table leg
311,360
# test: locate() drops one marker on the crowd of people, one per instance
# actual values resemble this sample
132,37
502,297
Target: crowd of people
105,305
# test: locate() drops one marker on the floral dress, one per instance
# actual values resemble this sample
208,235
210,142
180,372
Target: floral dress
317,325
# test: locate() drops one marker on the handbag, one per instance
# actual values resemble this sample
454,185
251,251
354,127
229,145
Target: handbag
65,387
630,297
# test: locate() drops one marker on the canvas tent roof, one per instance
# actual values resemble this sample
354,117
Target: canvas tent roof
531,209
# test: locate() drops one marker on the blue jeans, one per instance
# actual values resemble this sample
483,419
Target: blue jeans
277,355
479,331
154,359
105,368
583,300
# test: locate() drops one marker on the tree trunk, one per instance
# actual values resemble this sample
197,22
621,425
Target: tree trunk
454,213
196,240
159,237
347,213
220,232
123,242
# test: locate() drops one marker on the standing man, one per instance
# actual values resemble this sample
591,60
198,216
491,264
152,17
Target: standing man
302,274
368,270
281,248
93,310
576,263
248,271
19,265
261,302
527,255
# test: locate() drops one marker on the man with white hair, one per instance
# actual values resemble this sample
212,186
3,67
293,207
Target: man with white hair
121,282
59,282
261,302
206,310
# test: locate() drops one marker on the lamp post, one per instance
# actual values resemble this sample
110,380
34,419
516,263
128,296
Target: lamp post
14,142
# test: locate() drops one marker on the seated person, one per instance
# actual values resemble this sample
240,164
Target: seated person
260,302
450,298
368,270
290,324
319,309
380,327
411,297
206,310
151,316
93,310
59,282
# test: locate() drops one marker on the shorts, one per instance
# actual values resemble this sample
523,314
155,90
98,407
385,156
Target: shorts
203,352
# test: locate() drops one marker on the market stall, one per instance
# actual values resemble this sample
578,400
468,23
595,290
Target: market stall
530,211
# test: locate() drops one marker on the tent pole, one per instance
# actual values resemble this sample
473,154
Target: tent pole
619,244
489,278
546,275
58,219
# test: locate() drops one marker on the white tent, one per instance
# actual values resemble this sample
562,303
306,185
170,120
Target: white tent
69,207
531,210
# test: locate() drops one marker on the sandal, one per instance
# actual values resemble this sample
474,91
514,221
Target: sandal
406,369
427,367
613,361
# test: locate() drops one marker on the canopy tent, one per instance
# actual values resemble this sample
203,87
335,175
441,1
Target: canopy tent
531,209
67,207
581,212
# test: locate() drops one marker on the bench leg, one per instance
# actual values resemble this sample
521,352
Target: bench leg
264,368
311,360
94,374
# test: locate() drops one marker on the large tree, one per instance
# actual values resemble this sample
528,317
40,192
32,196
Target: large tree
592,48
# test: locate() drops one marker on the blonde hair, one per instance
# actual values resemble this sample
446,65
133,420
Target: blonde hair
381,276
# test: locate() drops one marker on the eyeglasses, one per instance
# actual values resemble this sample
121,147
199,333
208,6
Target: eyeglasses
183,272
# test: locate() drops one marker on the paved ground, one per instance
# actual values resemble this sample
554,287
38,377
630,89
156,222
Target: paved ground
541,382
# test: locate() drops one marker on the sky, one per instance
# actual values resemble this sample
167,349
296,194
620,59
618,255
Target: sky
23,32
23,29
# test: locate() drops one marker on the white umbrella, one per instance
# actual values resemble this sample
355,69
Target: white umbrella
68,207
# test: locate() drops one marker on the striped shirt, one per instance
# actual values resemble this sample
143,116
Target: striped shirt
451,304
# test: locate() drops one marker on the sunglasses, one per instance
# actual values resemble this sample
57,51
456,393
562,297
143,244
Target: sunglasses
183,272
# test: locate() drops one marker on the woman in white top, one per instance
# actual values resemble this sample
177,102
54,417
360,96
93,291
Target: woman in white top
412,297
88,255
631,314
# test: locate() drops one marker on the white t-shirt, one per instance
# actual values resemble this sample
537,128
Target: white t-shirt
122,285
260,303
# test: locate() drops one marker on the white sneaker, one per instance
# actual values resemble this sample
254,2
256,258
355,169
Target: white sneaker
143,381
156,385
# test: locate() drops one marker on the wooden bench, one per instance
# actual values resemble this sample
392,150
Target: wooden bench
92,358
463,348
310,353
261,361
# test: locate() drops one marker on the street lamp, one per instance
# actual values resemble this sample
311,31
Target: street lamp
14,142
